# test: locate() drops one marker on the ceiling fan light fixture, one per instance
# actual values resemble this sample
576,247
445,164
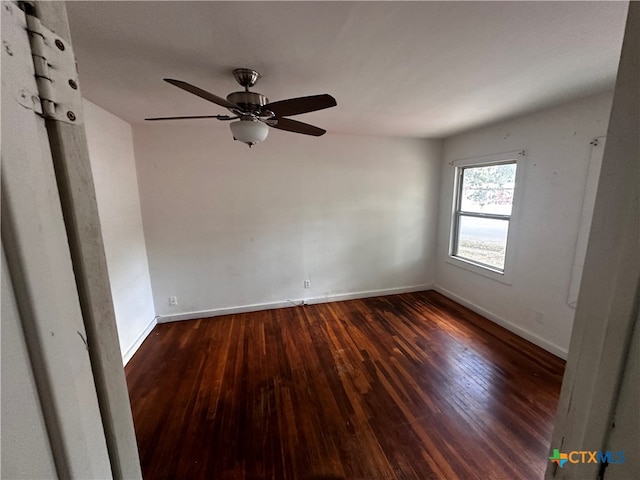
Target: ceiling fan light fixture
249,131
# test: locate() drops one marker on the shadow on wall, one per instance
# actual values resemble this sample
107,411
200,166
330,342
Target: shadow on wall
369,245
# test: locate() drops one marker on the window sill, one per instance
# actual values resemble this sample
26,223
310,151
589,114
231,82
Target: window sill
479,270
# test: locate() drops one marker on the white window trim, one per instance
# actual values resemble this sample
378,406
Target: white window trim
486,271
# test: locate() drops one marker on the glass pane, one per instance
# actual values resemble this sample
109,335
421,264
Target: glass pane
483,240
488,189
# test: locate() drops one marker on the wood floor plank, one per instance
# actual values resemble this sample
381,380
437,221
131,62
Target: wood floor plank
403,387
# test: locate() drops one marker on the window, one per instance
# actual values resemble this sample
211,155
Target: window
483,206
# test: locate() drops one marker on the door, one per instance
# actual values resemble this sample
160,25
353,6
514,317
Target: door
65,406
597,429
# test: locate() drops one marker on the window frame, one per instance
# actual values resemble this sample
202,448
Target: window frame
504,275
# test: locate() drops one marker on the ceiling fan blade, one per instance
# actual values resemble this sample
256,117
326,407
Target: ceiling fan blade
296,106
219,117
298,127
202,93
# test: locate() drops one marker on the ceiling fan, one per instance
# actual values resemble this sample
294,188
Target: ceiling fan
254,113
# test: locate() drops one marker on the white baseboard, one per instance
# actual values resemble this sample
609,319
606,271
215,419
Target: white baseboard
521,332
291,303
126,356
339,297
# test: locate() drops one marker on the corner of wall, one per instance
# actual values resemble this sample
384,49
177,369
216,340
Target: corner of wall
130,352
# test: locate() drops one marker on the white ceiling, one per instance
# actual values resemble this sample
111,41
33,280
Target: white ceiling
427,69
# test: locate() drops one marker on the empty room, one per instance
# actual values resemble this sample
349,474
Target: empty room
320,240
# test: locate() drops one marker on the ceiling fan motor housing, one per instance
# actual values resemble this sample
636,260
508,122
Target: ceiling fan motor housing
250,102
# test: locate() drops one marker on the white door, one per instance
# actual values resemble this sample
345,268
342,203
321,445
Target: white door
56,418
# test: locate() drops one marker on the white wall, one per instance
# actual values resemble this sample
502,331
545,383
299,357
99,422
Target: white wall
114,172
229,227
556,164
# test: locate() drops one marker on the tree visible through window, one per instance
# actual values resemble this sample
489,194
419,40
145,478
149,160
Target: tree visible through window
484,200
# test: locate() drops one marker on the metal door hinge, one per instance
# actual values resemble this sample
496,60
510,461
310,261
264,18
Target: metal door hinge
18,75
55,73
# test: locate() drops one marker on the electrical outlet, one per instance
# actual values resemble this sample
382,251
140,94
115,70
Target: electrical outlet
307,284
173,301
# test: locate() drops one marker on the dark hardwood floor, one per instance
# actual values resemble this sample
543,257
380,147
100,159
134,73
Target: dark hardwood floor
410,386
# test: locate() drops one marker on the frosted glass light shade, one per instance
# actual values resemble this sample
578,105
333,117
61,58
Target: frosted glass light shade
249,131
